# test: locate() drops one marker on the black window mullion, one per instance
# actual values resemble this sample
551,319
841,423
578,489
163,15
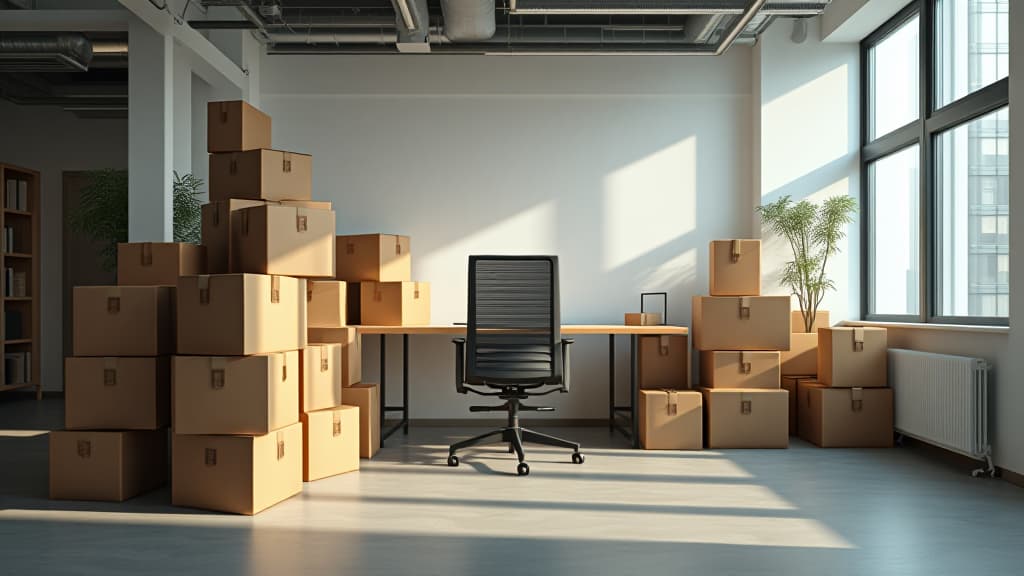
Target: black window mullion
926,166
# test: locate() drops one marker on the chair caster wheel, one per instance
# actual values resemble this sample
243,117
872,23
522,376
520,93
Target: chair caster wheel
577,458
523,469
453,460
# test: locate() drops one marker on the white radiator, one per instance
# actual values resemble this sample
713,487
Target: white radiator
943,400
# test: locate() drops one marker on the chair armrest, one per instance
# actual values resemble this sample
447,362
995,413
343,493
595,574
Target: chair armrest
566,342
460,364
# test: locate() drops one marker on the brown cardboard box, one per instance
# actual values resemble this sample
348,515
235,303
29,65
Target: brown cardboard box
326,303
158,263
845,417
737,369
261,175
367,398
117,393
790,384
238,474
351,350
108,466
284,240
852,357
236,395
240,314
671,420
642,319
747,418
802,357
662,362
322,367
741,323
395,303
374,257
330,439
235,126
735,267
123,320
821,320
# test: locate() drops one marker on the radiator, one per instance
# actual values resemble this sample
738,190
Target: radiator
943,400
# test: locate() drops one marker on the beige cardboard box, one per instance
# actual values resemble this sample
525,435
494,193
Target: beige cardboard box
802,357
326,303
238,474
158,263
662,362
117,393
642,319
107,466
738,369
123,320
671,420
235,126
845,417
351,350
322,367
367,398
284,240
395,303
747,418
735,267
790,384
374,258
853,357
236,395
261,175
330,439
741,323
240,314
821,320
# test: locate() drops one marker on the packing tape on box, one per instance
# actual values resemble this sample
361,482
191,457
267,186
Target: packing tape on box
233,165
663,344
110,371
746,404
210,456
275,289
336,423
218,373
280,445
223,112
84,448
416,291
398,245
858,339
286,162
377,295
284,365
324,363
672,401
243,216
309,291
744,363
301,220
736,246
856,399
744,302
113,300
147,253
203,283
350,247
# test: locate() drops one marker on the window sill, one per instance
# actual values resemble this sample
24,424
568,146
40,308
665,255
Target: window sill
935,327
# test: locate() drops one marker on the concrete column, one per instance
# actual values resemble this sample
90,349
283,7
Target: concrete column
182,109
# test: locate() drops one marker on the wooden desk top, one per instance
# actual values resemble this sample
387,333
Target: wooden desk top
567,329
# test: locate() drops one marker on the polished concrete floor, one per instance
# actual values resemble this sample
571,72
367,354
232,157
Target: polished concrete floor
797,511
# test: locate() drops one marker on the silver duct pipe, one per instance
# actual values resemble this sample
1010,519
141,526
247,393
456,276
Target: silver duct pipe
739,26
468,20
663,7
37,52
699,29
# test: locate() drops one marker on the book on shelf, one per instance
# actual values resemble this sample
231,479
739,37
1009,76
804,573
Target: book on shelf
20,284
10,193
22,196
16,368
8,282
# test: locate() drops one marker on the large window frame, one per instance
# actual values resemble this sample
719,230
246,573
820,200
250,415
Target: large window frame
923,131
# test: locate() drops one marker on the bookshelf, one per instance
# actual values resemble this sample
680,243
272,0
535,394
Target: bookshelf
19,256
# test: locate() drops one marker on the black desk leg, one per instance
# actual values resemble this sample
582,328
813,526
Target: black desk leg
611,381
383,382
633,392
405,384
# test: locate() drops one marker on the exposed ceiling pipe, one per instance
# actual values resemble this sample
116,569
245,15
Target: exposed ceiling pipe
662,7
36,52
738,27
699,29
468,20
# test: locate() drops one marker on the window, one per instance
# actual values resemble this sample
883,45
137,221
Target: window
936,164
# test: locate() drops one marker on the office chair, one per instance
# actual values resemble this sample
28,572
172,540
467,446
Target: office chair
513,348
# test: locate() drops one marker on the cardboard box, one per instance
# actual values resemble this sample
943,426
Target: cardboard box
321,377
671,420
853,357
240,314
395,303
374,258
821,320
741,323
284,240
330,439
735,267
662,362
117,393
236,395
351,350
326,303
746,418
234,126
642,319
367,398
106,466
845,417
790,384
802,357
738,369
158,263
238,474
261,175
123,320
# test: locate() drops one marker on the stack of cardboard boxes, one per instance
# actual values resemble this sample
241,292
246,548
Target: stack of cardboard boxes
670,414
800,362
740,335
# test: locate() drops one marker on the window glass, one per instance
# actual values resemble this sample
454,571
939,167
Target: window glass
895,238
972,45
895,100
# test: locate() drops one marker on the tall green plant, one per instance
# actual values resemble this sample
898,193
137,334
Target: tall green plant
187,208
814,232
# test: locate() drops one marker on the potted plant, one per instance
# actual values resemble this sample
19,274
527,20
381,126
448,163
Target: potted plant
814,232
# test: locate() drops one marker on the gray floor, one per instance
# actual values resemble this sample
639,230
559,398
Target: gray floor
796,511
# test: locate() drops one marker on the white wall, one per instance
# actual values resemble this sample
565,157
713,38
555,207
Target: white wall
53,141
624,167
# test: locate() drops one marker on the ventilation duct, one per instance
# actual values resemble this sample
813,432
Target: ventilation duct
35,53
468,20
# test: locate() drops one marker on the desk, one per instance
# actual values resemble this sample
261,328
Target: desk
568,330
